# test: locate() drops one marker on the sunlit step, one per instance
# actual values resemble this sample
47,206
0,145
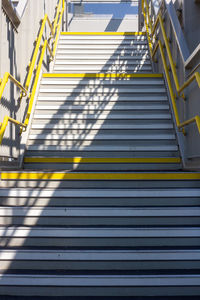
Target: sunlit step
104,216
100,237
123,51
112,62
103,126
104,91
118,47
108,82
100,98
108,148
105,57
89,42
103,68
103,108
103,116
90,137
102,35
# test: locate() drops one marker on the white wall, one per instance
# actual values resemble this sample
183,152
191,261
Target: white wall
16,49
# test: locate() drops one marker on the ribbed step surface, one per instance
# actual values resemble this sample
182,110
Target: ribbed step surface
102,209
99,115
127,53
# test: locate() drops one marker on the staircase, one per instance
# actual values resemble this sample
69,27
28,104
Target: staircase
102,207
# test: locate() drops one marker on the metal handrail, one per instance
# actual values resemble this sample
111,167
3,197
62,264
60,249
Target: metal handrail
4,81
54,29
151,32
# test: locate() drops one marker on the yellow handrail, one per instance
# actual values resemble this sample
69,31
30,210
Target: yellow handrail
151,30
58,30
54,29
37,47
4,81
4,124
45,46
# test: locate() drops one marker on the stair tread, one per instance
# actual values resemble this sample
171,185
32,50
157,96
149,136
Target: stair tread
86,136
104,148
103,126
104,108
102,255
100,280
99,193
99,212
53,232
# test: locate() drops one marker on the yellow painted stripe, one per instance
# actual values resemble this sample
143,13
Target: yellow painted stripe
83,160
104,33
100,75
98,176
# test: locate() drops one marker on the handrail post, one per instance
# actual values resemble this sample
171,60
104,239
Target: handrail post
54,29
196,76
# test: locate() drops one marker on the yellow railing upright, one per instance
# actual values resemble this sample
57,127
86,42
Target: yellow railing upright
55,30
154,46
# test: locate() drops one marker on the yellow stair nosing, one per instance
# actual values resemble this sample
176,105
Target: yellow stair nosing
102,75
105,33
99,176
82,160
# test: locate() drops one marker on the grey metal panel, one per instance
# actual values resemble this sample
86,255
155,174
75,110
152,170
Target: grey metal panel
181,42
